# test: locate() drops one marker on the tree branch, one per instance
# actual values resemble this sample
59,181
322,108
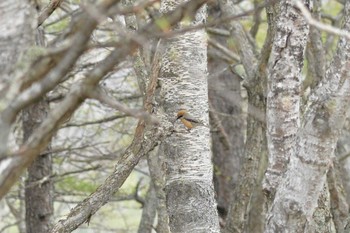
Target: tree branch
48,10
319,25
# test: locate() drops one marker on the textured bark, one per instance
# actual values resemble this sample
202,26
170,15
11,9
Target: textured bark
322,221
342,153
139,65
297,196
39,186
284,86
258,203
315,52
338,205
189,187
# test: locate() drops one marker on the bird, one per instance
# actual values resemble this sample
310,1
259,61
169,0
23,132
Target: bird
188,120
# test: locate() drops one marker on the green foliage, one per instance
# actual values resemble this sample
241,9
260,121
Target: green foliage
163,24
332,8
59,26
72,183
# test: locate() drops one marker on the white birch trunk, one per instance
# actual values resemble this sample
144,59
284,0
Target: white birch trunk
189,188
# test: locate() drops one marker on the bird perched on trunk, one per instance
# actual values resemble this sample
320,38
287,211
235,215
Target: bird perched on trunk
188,120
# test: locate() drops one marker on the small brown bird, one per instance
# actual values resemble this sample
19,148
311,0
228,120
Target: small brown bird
188,120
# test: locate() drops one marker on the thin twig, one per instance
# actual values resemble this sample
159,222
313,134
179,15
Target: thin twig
102,96
224,50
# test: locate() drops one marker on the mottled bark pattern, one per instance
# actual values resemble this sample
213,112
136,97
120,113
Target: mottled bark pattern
189,186
298,195
39,185
283,98
339,206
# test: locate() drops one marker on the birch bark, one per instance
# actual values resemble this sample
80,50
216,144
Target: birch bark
298,194
183,79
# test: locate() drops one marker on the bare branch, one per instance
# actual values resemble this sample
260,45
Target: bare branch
102,96
48,10
104,120
224,50
324,27
34,92
12,166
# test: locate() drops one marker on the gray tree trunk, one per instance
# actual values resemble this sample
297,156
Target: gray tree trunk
189,178
39,185
227,126
296,204
17,26
284,86
248,189
148,211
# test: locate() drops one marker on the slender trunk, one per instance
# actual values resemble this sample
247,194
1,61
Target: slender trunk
157,173
227,127
38,186
148,211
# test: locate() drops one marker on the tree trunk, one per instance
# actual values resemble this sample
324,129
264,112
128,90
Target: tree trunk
39,185
296,201
157,172
148,211
244,203
227,126
284,86
189,178
17,26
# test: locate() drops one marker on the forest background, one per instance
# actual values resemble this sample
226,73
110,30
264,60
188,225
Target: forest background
89,96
